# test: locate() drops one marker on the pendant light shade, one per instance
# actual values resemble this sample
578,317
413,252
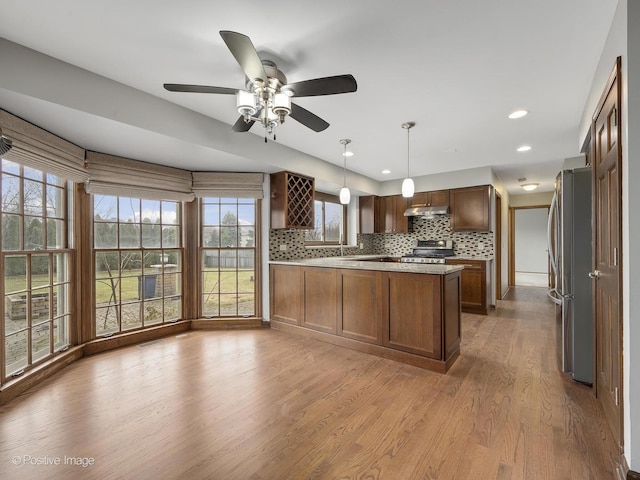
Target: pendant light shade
408,188
345,194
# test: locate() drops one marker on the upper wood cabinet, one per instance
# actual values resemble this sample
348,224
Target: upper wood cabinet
393,207
383,214
437,198
470,208
292,199
369,214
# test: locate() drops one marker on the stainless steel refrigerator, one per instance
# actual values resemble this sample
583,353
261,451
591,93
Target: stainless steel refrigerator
570,252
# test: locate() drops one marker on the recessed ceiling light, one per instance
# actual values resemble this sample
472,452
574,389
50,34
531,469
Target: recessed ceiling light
524,148
386,171
518,114
347,154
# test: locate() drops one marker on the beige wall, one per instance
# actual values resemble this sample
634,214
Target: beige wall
530,199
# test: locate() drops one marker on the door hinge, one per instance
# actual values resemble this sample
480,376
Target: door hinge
617,394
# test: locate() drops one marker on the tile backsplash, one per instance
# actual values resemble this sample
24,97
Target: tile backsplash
467,244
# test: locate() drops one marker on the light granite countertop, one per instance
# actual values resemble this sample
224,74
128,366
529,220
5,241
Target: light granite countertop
359,262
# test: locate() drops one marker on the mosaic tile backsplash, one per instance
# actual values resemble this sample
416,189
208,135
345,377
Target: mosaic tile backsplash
466,244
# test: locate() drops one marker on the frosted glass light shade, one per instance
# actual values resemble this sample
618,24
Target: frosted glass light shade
345,196
246,103
408,188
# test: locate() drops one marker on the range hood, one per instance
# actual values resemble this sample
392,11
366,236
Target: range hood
428,212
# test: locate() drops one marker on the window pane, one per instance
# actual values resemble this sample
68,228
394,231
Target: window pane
33,233
211,236
107,319
150,211
170,213
108,289
10,167
129,235
16,352
33,173
332,222
10,232
40,341
61,332
210,282
60,268
10,194
15,315
33,200
246,304
246,260
246,215
228,305
131,317
247,237
105,208
129,209
211,214
40,304
55,234
228,281
153,311
172,308
55,201
170,237
174,257
105,235
229,214
210,305
229,236
151,235
39,270
130,262
15,273
60,300
52,179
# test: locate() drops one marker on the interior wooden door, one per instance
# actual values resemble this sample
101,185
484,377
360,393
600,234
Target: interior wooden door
607,254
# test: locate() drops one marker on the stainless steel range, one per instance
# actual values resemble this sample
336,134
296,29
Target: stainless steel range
430,251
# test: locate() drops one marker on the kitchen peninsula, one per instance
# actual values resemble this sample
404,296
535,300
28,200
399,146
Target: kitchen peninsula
405,312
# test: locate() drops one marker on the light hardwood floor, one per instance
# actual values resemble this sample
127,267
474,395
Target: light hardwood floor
267,405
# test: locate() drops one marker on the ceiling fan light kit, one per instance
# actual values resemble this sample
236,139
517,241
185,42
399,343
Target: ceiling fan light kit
267,97
408,187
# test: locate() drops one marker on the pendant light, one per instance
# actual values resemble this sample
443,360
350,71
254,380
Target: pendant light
345,194
407,185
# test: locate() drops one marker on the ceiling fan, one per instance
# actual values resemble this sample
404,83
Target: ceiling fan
267,98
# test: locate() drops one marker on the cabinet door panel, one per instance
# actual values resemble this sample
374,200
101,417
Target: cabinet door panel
320,299
361,305
470,208
439,198
286,293
413,313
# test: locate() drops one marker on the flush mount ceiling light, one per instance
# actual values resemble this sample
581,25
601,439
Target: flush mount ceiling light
529,186
524,148
517,114
5,143
345,194
407,185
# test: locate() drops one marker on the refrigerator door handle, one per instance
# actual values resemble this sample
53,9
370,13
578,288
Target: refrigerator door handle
552,251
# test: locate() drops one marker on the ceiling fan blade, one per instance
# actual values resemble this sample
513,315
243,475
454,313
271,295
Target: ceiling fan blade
307,118
323,86
178,87
242,126
245,54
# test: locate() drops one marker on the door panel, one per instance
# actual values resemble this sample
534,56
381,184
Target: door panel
607,257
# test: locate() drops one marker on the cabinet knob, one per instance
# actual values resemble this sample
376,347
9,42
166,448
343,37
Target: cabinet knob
595,274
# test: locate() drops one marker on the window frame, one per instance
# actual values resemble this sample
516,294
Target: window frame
325,198
57,321
158,273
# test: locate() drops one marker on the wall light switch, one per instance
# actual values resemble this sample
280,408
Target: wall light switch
283,248
361,246
481,246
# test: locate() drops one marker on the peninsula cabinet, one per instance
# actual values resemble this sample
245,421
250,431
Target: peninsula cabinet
437,198
369,214
409,317
292,200
474,289
470,209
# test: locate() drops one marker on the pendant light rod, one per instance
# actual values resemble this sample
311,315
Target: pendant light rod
345,194
408,186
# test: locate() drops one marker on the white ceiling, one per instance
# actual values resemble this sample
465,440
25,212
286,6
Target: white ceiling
456,68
